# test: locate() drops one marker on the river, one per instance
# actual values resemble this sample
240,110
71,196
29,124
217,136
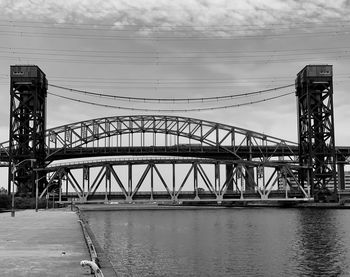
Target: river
225,242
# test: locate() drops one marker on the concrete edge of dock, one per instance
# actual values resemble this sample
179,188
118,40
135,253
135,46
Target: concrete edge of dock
200,205
43,243
97,253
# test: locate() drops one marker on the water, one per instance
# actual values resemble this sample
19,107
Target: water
225,242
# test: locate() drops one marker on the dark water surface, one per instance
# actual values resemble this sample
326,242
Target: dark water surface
225,242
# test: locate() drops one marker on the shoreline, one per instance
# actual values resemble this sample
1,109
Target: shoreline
103,260
198,206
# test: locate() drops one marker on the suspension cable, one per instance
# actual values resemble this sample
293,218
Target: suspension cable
171,110
171,100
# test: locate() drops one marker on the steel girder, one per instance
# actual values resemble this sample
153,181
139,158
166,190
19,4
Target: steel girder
115,180
342,152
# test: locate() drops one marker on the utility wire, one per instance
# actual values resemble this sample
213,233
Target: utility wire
174,28
99,25
167,81
173,100
308,50
171,110
165,38
170,56
157,62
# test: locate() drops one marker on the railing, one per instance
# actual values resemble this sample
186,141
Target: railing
119,160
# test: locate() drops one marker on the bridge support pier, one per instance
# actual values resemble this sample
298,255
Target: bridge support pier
152,182
217,178
129,197
341,174
229,172
195,181
249,179
173,196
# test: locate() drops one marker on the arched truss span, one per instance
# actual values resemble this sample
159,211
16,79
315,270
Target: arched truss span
163,135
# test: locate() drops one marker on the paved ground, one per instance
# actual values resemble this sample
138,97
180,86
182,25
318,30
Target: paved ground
46,243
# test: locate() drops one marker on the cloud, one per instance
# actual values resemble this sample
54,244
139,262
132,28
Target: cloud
198,15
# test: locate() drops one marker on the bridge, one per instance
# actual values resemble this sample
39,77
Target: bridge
172,158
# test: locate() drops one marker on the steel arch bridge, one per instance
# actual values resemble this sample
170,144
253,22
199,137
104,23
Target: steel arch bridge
160,135
163,135
245,152
253,163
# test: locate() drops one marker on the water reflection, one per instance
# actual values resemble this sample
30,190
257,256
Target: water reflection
320,249
229,242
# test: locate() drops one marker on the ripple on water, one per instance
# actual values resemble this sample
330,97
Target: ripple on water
225,242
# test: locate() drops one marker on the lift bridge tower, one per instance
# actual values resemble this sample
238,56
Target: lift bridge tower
28,92
314,91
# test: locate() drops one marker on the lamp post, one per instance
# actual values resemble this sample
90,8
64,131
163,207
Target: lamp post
14,169
48,196
37,192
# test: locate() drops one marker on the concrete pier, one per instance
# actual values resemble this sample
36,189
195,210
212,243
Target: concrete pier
44,243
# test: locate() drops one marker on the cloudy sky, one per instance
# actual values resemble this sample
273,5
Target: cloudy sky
178,49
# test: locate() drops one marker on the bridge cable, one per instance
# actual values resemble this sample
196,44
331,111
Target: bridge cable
173,100
171,110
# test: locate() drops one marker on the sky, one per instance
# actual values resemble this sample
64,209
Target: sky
178,49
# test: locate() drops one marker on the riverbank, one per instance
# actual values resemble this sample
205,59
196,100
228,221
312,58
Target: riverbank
140,206
45,243
200,205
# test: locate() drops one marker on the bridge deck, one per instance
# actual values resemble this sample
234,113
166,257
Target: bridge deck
343,152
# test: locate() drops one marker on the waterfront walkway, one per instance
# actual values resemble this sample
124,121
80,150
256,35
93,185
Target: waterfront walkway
45,243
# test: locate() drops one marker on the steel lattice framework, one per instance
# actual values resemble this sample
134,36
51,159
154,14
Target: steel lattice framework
314,90
27,125
171,135
107,183
247,153
240,151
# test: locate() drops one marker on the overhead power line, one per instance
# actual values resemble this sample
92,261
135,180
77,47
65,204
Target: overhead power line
170,100
171,110
166,81
99,51
298,24
159,62
161,57
193,36
174,28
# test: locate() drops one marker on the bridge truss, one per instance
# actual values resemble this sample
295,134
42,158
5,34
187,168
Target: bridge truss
263,162
173,179
165,135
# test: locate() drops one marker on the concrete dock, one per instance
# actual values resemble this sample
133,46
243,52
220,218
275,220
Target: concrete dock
45,243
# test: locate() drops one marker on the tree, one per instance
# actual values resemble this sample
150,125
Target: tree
3,190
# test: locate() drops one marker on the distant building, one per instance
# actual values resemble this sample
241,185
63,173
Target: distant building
330,185
347,180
